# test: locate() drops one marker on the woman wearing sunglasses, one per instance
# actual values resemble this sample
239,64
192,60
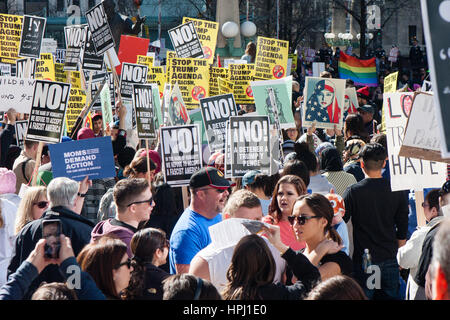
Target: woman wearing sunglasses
311,220
31,207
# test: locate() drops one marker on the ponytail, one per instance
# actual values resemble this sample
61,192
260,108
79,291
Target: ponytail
332,234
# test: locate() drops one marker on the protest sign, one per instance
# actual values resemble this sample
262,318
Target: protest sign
21,128
145,60
75,38
207,33
165,104
97,78
225,86
77,101
31,36
48,108
81,158
26,68
60,56
156,75
196,117
250,145
17,92
390,85
227,157
227,62
131,74
435,20
192,75
60,74
318,68
185,41
214,74
49,45
350,101
181,153
241,75
422,139
177,110
144,111
156,106
5,69
294,58
426,86
90,59
105,100
102,36
216,111
130,48
10,32
324,102
271,58
407,173
282,90
45,68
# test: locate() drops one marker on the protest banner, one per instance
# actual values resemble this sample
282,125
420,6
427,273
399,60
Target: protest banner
26,68
10,32
60,56
422,139
105,101
225,86
271,58
81,158
407,173
318,68
241,75
216,111
21,128
178,114
324,102
144,111
90,59
282,90
5,69
207,32
181,153
435,21
77,101
192,75
45,68
390,85
31,36
185,41
48,109
350,101
214,74
130,48
75,38
250,145
102,36
17,92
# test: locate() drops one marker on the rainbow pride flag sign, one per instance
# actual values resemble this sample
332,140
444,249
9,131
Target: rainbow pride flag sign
362,72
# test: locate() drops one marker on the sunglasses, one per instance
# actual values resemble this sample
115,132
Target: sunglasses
125,263
41,204
301,220
149,201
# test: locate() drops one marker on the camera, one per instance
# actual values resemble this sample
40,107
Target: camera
51,230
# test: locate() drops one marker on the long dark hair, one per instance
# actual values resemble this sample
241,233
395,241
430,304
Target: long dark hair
297,182
138,165
252,266
355,124
331,160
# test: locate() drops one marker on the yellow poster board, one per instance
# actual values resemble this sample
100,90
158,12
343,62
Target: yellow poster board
45,68
75,79
157,75
60,74
207,34
214,74
145,60
271,58
225,86
241,75
390,85
10,31
77,101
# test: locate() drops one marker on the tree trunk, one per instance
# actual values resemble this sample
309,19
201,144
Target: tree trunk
363,28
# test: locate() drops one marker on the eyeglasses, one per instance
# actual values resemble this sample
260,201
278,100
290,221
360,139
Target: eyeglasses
41,204
125,263
149,201
301,220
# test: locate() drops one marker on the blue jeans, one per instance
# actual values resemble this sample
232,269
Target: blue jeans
380,283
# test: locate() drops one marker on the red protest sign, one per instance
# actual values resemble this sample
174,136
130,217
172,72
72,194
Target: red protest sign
129,48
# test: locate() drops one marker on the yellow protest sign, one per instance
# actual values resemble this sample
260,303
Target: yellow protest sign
225,86
169,56
145,60
207,34
294,59
214,74
390,85
192,76
241,75
45,68
60,74
77,101
271,58
75,79
157,75
10,31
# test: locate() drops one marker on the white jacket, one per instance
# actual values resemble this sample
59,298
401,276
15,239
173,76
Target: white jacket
7,236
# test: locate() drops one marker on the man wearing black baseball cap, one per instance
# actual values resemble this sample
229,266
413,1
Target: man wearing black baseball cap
367,112
209,193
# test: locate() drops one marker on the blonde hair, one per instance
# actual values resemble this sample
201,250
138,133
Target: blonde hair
25,210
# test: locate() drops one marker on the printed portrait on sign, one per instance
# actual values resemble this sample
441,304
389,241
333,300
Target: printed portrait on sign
177,111
324,102
350,102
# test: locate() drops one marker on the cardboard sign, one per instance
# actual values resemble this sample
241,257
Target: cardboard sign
60,56
10,32
216,111
422,139
178,114
350,101
241,75
271,58
390,85
102,36
131,74
436,21
31,37
207,33
157,75
60,74
181,153
45,68
130,48
225,86
227,62
77,101
426,86
407,173
17,92
324,102
281,102
75,38
21,128
97,78
250,145
87,157
214,74
144,111
318,68
48,111
90,59
5,69
185,41
22,65
105,100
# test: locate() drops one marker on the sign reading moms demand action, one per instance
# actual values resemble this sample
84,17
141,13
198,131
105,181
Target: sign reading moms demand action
181,153
216,111
185,41
88,157
31,38
144,111
48,110
99,26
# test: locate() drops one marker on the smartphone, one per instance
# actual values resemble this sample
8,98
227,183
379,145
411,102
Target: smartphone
254,226
51,230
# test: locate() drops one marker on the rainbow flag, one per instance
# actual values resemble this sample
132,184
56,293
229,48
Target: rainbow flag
362,72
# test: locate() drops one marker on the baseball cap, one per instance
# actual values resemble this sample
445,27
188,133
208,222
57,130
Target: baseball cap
85,133
209,176
249,177
363,93
337,202
366,108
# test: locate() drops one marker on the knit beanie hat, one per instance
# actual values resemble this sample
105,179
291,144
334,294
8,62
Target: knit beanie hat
7,181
